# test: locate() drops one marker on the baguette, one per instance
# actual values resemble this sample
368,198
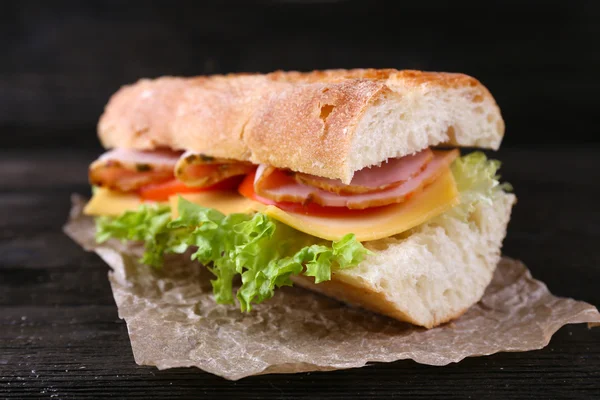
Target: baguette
325,123
332,124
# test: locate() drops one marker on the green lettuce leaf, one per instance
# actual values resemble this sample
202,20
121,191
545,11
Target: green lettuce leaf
477,181
263,251
148,224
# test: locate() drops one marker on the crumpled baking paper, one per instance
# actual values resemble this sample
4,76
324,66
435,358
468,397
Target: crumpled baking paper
173,320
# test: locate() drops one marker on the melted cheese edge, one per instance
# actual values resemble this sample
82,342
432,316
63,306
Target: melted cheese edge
109,203
226,201
112,204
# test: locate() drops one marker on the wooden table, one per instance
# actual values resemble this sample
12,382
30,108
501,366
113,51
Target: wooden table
60,336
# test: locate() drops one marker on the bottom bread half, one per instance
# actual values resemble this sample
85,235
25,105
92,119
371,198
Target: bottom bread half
430,274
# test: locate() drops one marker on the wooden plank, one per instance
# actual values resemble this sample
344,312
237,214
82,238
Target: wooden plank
60,334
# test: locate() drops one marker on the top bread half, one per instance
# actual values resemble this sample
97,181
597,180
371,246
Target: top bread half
325,123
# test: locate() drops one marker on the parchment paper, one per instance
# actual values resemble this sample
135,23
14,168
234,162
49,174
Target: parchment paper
174,322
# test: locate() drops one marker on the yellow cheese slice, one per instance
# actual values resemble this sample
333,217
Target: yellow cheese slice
110,203
113,204
226,201
435,199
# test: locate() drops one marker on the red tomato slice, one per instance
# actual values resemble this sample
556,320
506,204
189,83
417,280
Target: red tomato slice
246,189
162,191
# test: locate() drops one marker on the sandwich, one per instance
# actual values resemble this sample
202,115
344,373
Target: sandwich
349,183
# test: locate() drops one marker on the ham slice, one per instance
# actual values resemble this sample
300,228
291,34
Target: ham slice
127,170
199,170
390,173
281,186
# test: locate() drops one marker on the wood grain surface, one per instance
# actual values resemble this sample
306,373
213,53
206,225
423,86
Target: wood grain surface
60,336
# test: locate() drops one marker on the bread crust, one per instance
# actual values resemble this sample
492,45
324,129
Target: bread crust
360,294
304,121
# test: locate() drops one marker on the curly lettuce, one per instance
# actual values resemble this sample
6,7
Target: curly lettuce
264,252
477,181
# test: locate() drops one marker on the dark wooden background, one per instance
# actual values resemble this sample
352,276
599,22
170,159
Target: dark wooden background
60,336
61,60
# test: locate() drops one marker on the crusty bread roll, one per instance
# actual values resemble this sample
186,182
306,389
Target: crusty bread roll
331,124
430,274
325,123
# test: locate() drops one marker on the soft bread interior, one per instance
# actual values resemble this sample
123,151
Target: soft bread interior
431,274
423,116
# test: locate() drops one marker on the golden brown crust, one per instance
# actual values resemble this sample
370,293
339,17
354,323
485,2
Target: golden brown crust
296,120
359,296
314,121
365,297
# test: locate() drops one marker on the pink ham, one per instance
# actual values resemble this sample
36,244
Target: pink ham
390,173
127,170
131,158
277,185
